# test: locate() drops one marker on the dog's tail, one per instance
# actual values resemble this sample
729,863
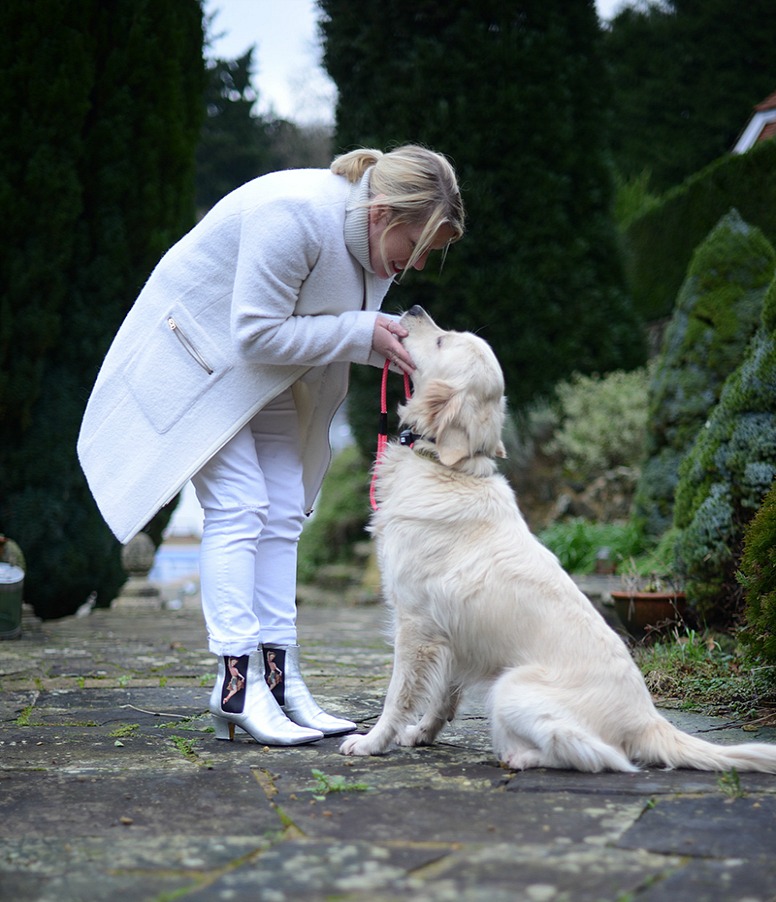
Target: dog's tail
662,743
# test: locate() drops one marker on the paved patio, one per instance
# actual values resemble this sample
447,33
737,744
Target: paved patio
112,785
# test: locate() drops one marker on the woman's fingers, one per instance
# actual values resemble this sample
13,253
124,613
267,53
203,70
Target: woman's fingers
386,340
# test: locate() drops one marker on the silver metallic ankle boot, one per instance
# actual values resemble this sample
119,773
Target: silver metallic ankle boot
241,698
281,670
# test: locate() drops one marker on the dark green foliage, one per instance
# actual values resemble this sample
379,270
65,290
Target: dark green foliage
670,230
685,77
725,477
341,514
717,312
758,578
514,93
101,107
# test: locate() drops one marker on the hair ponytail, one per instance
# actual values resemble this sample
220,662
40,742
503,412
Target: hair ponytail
353,165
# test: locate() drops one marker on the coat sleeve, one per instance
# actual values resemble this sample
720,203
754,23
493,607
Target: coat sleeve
280,247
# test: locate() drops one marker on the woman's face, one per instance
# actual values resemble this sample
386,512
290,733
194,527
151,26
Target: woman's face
391,256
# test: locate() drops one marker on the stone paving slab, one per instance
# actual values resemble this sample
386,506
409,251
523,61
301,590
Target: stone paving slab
704,880
112,785
708,826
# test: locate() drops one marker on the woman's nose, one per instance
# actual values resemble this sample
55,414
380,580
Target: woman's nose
420,263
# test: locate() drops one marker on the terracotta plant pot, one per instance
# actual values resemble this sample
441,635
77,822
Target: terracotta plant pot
643,613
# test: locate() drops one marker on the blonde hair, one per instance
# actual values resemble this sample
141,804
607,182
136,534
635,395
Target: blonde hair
416,185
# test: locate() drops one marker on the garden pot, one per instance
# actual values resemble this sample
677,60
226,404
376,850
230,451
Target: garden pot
643,613
11,592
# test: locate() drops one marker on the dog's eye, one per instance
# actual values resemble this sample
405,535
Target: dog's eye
439,342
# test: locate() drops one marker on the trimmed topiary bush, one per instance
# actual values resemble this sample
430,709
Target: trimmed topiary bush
717,312
669,230
725,477
758,578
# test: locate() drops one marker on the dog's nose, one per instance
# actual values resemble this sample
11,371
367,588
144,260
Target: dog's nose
416,310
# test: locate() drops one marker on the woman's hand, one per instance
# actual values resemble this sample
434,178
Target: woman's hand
385,340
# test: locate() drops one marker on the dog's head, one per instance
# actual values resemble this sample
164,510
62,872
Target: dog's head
458,393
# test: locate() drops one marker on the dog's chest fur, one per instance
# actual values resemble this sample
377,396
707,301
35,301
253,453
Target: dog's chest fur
414,488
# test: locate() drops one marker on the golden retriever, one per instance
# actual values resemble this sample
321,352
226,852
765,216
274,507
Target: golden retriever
477,600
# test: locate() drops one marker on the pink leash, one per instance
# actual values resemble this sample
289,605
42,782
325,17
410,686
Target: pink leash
382,434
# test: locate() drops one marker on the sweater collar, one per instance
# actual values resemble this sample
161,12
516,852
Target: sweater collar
357,220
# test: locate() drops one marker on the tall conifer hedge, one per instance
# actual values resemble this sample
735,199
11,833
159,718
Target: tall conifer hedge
100,108
515,93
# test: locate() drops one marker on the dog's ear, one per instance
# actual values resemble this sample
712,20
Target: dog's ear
452,446
437,395
445,407
461,425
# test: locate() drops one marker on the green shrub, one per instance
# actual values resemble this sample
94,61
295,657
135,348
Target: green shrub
717,312
725,477
340,517
601,422
577,542
758,578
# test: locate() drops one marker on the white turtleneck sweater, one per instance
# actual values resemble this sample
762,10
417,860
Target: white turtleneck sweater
273,288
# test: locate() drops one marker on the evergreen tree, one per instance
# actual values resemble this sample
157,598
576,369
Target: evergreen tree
101,108
237,144
514,93
685,77
233,146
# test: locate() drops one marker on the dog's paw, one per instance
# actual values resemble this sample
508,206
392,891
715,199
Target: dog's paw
358,744
522,760
413,736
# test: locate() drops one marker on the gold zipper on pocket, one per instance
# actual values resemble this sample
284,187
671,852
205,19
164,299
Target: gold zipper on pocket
183,339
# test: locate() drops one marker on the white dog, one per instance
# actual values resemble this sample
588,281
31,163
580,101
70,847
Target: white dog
479,601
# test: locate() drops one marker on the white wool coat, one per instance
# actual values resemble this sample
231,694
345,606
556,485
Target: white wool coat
266,292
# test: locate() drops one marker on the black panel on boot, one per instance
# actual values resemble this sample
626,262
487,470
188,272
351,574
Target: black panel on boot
274,666
233,695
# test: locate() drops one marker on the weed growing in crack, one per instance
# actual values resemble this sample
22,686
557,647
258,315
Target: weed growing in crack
730,784
325,784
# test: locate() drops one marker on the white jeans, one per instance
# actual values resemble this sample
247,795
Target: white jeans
251,493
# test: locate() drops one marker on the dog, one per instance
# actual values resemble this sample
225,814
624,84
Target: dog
478,601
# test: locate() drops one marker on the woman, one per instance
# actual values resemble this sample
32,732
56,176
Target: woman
228,370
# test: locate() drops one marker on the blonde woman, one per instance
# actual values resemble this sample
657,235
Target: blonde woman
228,370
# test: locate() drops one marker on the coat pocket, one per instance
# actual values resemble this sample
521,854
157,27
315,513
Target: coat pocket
175,367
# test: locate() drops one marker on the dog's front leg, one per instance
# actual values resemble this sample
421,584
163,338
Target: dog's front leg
443,702
414,665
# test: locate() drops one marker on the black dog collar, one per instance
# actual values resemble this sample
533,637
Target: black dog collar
408,437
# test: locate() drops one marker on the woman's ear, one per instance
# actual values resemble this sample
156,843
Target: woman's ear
379,212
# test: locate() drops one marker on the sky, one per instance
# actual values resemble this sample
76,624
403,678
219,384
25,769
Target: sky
289,79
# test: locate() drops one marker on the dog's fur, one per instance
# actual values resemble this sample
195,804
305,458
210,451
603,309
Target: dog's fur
479,601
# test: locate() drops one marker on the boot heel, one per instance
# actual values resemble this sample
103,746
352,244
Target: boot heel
224,728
